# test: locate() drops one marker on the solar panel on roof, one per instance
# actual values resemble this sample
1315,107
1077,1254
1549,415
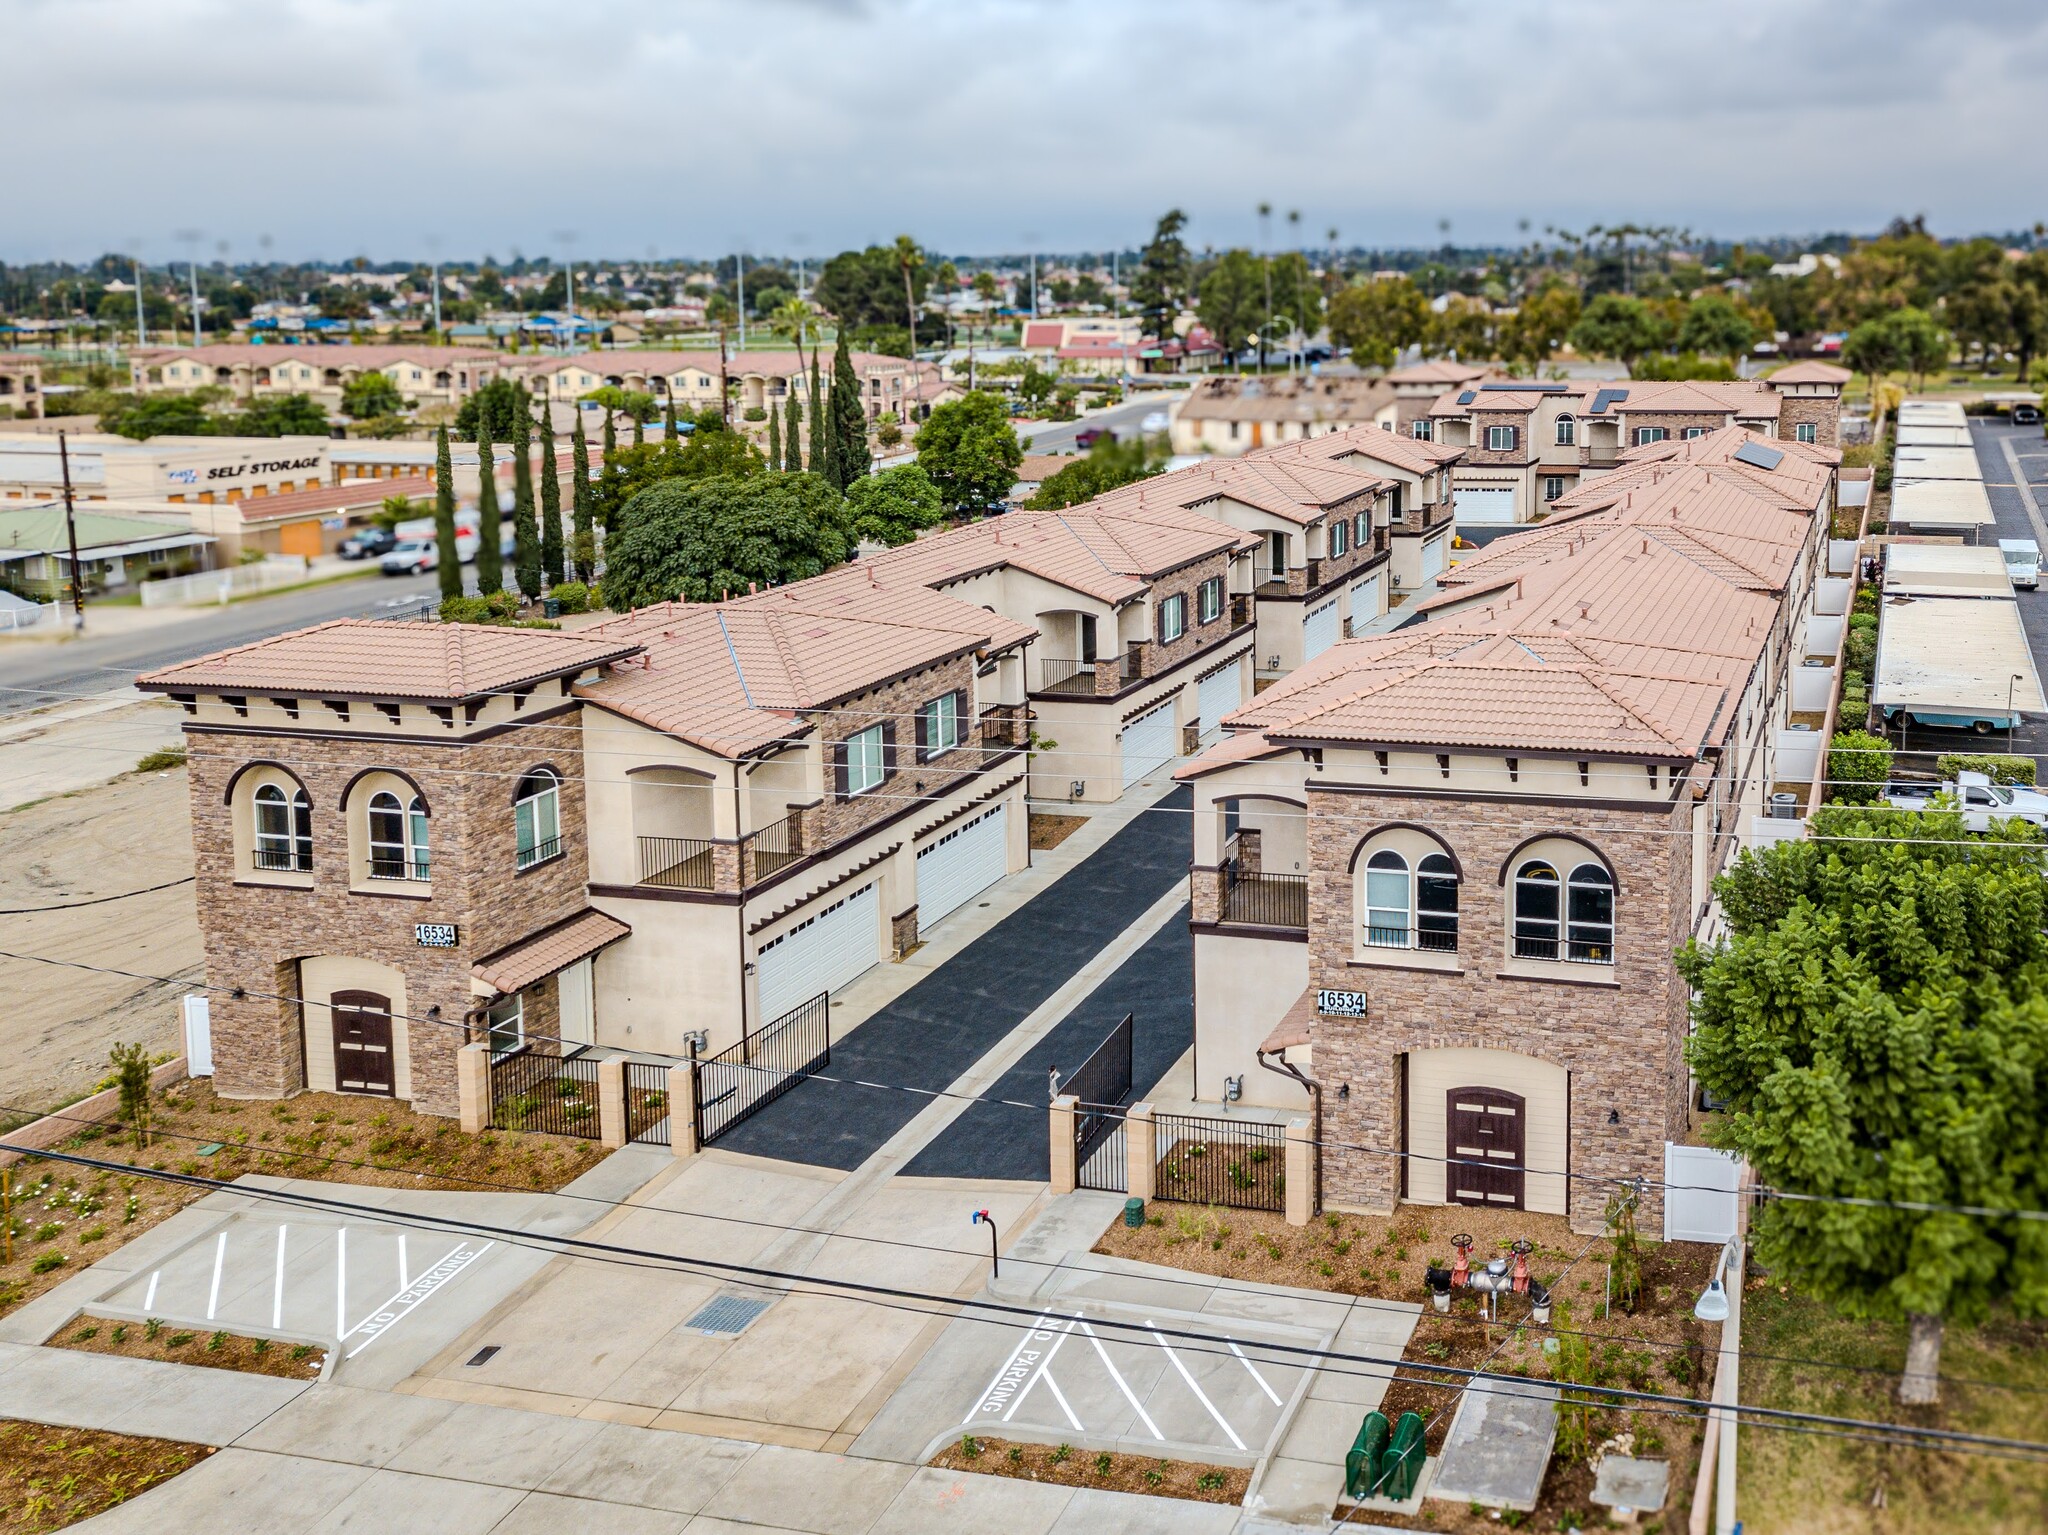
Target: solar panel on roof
1759,456
1467,397
1607,397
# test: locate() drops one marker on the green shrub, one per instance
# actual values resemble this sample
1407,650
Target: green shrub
1859,766
46,1262
573,596
1999,767
755,413
163,758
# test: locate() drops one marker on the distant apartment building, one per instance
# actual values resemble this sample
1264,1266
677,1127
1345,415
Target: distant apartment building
1527,443
175,470
21,385
432,375
1235,413
1440,873
754,380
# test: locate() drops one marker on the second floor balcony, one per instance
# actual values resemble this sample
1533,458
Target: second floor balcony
709,863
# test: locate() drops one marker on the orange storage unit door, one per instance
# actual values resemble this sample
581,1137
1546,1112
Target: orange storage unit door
300,538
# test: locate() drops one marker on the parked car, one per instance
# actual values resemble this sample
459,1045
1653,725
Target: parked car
365,543
410,557
2022,562
2026,415
1980,800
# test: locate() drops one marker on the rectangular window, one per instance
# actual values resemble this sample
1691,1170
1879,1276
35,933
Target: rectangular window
1501,439
938,726
1173,618
1209,599
1339,533
1361,530
863,761
507,1024
1694,431
1420,429
1645,435
1553,487
1806,431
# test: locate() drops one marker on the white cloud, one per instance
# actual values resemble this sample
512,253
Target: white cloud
365,126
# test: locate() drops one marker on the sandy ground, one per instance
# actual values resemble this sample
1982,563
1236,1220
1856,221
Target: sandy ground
56,1025
74,746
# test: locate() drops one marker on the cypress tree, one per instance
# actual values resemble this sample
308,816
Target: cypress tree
817,419
848,422
792,435
774,438
550,507
583,547
445,533
490,564
639,431
525,531
608,483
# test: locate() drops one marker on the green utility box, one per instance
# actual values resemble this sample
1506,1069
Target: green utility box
1361,1465
1401,1466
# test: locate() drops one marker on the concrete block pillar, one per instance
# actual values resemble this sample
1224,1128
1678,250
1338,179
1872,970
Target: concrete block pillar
1301,1173
1141,1148
682,1114
473,1086
611,1103
1063,1169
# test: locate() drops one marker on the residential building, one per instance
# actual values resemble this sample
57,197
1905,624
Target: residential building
1440,873
114,553
107,467
1235,413
1527,444
21,384
755,380
431,375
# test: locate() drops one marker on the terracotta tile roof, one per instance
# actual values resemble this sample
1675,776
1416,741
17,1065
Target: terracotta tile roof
1372,443
548,952
737,364
1232,397
1040,467
1442,371
228,354
1294,1026
1811,373
368,658
1745,399
1044,334
1300,490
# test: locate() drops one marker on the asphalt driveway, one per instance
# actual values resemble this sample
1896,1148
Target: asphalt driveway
932,1033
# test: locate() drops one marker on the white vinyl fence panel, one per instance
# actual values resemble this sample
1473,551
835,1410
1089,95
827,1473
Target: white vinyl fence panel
1701,1201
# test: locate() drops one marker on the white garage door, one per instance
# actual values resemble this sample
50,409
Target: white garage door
1147,743
821,953
1365,601
1319,630
1433,558
961,863
1219,693
1484,506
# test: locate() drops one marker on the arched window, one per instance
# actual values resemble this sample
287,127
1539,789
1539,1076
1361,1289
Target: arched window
537,817
1567,431
1537,908
1386,901
398,837
284,830
1436,904
1589,915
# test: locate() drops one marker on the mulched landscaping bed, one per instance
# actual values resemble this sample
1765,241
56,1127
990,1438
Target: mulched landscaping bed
215,1350
1660,1348
53,1477
1065,1466
65,1216
1049,829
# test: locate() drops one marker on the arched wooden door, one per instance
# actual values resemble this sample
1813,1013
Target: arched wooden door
363,1058
1488,1132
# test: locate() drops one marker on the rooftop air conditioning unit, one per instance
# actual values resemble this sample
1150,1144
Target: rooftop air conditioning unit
1785,807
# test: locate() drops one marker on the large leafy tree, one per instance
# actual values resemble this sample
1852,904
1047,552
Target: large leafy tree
894,506
158,415
490,409
445,532
970,450
371,394
1159,288
702,539
1539,324
1621,328
1462,328
846,421
284,415
1297,296
1105,466
1377,320
1877,1022
1714,326
867,287
1232,303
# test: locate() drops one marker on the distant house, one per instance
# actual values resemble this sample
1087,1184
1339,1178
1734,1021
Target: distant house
113,552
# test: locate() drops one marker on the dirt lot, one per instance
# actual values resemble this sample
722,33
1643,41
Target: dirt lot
216,1350
1066,1466
1658,1348
58,1023
53,1477
1049,829
65,1216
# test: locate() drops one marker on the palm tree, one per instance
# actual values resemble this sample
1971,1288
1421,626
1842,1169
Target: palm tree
908,259
796,319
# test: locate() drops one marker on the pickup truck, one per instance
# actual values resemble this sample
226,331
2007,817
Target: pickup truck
1980,800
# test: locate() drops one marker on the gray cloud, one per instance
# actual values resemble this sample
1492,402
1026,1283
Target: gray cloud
367,126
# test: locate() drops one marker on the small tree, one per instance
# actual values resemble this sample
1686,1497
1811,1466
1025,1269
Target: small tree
583,541
1859,766
971,452
792,435
525,529
1619,327
1626,1257
551,564
1572,1366
490,562
893,507
774,438
131,1076
847,420
445,531
371,394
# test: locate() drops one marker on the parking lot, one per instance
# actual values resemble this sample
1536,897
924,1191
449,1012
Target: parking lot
353,1283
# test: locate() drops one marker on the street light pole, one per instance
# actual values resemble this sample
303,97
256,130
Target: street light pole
71,533
141,334
2010,720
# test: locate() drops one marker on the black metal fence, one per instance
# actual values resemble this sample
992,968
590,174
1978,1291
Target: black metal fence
647,1105
551,1094
745,1078
1241,1163
1101,1152
1264,900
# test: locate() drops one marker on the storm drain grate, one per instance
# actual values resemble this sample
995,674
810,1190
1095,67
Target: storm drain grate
726,1314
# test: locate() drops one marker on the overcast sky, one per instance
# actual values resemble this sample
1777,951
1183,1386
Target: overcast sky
372,127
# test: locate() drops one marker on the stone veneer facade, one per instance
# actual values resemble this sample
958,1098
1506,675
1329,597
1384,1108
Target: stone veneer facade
1619,1032
255,930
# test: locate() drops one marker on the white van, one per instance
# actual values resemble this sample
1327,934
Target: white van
2022,561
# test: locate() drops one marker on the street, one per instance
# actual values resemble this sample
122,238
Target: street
1059,436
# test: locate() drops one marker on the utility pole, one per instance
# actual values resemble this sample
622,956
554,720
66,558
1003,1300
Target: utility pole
141,333
71,532
191,237
740,261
